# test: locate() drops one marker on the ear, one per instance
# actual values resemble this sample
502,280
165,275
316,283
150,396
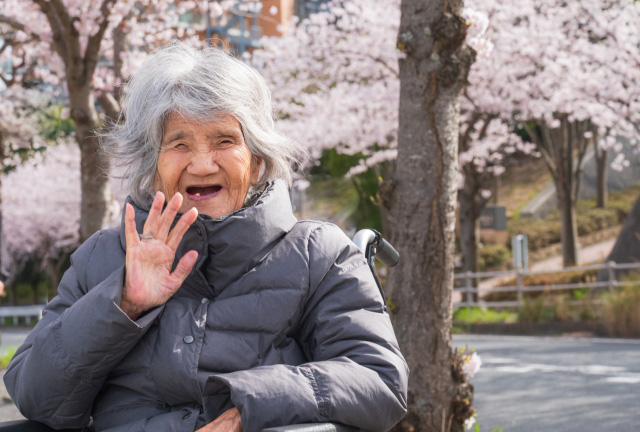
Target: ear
256,164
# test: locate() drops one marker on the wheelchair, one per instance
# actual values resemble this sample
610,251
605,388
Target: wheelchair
371,243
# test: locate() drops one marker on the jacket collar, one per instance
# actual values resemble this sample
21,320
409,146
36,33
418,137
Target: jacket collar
230,246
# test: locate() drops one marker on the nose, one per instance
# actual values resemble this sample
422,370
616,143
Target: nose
203,163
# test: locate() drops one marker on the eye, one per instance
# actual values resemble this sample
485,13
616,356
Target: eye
181,146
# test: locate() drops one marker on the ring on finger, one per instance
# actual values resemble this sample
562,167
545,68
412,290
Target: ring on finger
145,237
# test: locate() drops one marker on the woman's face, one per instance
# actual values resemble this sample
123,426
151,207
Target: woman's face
208,162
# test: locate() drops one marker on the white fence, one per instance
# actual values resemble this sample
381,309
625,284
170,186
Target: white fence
24,312
484,283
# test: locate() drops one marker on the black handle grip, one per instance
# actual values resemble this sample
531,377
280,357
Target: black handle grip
387,254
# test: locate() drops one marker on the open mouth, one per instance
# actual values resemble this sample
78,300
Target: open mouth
197,193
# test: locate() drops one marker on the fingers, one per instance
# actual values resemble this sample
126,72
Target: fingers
153,220
175,237
131,235
168,216
184,266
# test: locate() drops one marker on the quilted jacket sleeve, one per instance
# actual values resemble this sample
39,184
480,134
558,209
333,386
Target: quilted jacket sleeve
56,374
357,375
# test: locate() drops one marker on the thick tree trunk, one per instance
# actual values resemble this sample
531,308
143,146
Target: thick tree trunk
94,165
421,197
469,212
601,157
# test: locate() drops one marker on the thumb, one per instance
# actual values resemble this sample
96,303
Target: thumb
184,266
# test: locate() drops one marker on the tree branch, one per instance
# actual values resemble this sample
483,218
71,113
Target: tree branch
14,23
60,44
74,61
6,82
110,106
93,46
546,156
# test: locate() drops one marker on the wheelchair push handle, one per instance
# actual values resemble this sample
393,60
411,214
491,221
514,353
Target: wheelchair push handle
371,243
373,246
387,253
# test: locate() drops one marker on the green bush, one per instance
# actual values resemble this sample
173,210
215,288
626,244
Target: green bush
622,311
535,310
540,233
493,256
596,219
478,316
6,358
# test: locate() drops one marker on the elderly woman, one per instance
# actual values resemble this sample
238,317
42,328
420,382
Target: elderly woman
216,310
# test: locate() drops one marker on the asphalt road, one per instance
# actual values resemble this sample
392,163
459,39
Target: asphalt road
529,384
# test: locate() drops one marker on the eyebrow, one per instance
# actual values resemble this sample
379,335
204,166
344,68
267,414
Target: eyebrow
176,136
223,134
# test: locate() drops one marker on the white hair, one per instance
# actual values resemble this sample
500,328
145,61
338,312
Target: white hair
201,85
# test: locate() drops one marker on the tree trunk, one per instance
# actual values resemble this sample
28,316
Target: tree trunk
34,290
468,236
468,216
94,165
569,234
421,197
601,157
14,294
53,268
563,149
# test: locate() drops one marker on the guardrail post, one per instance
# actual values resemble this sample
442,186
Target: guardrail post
519,285
611,270
469,286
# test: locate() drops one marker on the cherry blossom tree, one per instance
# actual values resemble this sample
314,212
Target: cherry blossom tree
611,26
562,97
487,143
90,47
333,86
20,126
20,139
41,210
336,82
421,199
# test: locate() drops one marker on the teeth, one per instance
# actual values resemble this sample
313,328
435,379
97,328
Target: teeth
197,193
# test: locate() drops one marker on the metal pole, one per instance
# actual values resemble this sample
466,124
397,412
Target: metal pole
519,285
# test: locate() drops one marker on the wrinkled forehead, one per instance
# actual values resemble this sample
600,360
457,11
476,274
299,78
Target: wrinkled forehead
216,120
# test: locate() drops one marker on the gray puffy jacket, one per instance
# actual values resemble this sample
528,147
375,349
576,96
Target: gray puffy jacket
279,318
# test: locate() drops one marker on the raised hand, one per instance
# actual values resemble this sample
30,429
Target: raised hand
149,281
